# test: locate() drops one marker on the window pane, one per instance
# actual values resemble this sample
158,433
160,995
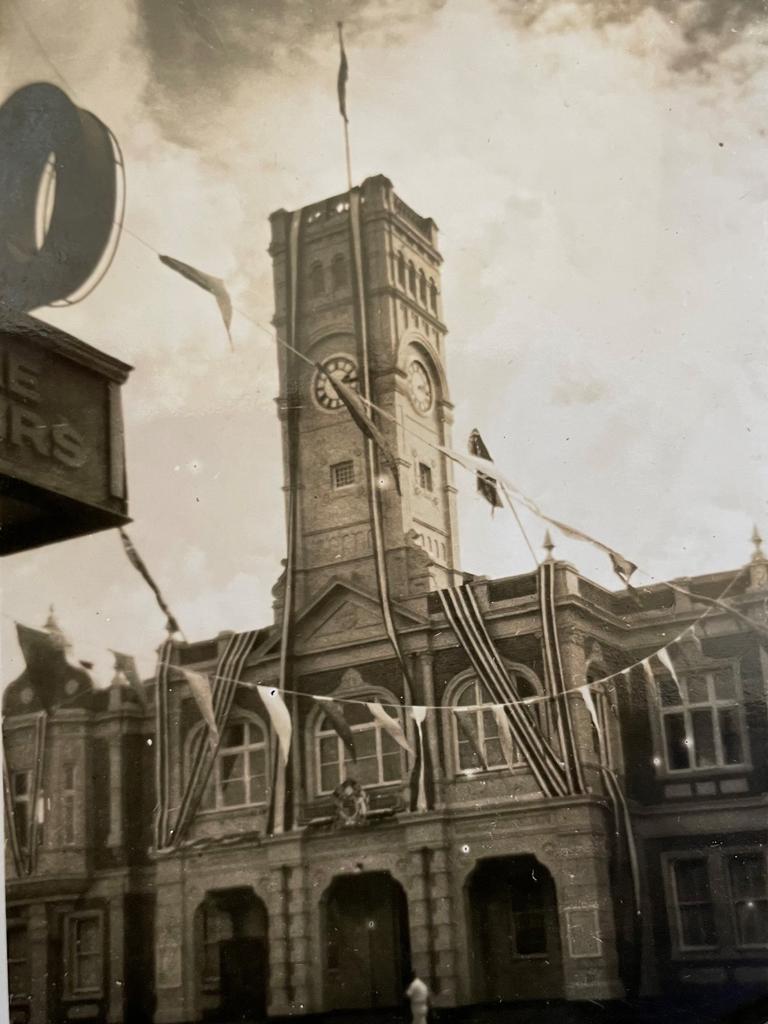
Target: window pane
232,767
730,734
692,880
391,766
233,735
698,692
494,755
329,750
468,696
329,777
233,792
748,876
698,925
530,933
752,922
668,691
388,745
365,743
490,726
366,771
677,749
467,757
703,738
88,935
725,684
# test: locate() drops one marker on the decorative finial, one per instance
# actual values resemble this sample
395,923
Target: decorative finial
758,555
548,545
55,632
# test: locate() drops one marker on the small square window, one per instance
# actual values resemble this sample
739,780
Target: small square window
425,476
342,474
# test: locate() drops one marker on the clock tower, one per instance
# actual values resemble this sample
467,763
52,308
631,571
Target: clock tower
357,290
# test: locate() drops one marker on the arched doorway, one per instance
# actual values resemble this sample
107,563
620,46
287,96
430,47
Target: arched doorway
515,932
367,942
233,957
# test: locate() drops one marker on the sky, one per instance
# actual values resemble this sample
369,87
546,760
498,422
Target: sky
597,172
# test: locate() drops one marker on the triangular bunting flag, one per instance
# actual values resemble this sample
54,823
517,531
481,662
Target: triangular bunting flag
200,688
466,727
622,567
335,715
211,284
649,677
392,725
586,696
486,485
279,716
666,661
505,735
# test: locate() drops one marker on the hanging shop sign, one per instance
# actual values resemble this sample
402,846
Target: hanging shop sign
62,456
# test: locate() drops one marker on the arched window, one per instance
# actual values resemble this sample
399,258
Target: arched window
411,277
339,273
239,774
401,269
317,279
422,287
379,758
476,730
432,295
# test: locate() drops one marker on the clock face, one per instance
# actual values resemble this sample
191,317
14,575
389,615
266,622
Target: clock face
419,387
341,368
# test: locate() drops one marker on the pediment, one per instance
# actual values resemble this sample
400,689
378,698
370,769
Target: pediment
342,613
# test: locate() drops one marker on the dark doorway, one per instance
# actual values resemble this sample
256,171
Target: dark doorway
367,943
233,956
515,932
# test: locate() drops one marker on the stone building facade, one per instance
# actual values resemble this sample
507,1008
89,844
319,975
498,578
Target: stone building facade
495,892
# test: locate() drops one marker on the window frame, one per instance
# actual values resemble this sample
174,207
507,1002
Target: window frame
727,855
72,991
457,687
26,802
247,719
350,463
317,732
425,473
660,712
727,946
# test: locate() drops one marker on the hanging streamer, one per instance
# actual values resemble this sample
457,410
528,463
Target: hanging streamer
390,724
666,661
422,797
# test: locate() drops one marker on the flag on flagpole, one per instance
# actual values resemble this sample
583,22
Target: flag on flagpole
343,77
392,725
280,718
211,284
200,688
335,715
357,410
486,485
138,563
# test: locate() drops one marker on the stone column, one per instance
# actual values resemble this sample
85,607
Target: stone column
427,686
116,994
444,929
433,949
38,963
290,948
173,944
587,933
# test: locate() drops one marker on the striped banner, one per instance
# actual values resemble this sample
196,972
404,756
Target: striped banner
283,809
162,746
223,686
555,679
466,620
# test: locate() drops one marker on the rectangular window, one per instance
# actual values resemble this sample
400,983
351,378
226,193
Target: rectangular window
18,960
748,881
342,474
21,786
425,476
702,723
694,905
85,954
68,792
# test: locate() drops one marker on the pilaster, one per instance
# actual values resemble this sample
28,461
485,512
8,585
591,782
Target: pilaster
116,994
38,964
290,949
172,944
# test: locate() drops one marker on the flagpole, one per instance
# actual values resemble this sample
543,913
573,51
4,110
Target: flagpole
343,104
